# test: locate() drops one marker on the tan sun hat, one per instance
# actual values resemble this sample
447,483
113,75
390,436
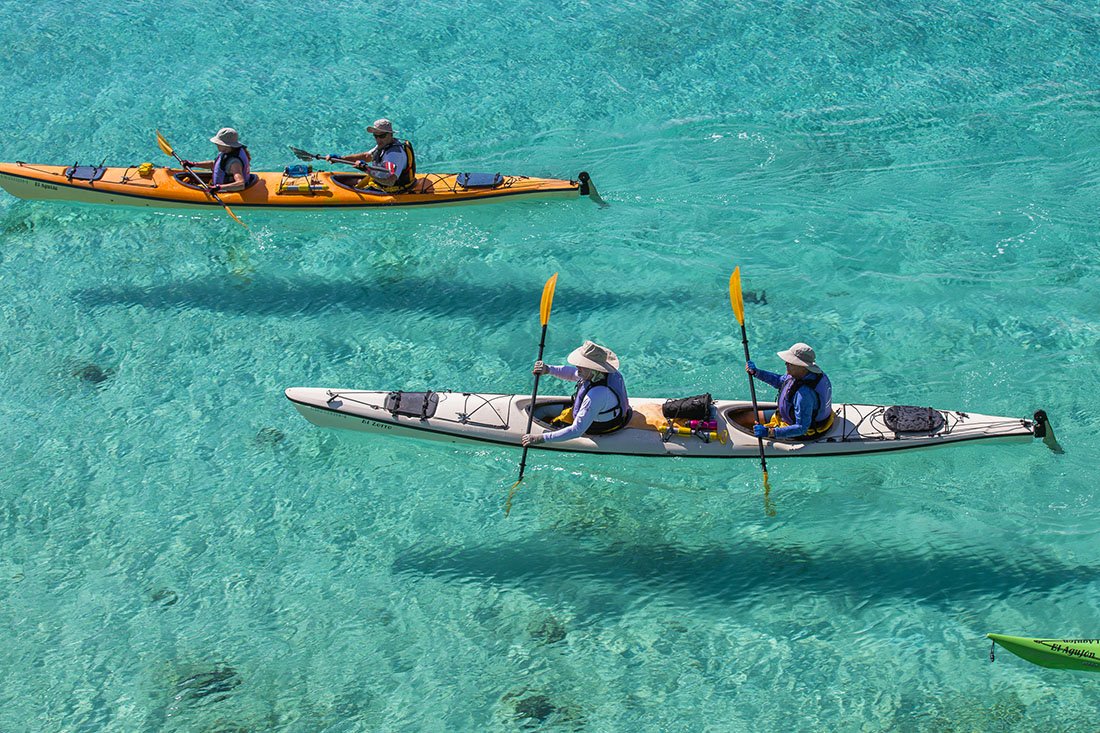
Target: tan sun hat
227,136
802,355
381,126
593,356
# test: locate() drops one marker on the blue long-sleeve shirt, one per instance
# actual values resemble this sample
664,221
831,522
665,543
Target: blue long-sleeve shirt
804,402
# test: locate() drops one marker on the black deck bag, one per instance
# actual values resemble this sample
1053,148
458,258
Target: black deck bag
912,419
412,404
688,408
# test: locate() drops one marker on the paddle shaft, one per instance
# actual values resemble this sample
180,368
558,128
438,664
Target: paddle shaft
531,413
752,394
306,155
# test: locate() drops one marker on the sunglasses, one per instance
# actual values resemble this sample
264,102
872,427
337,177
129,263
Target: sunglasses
378,136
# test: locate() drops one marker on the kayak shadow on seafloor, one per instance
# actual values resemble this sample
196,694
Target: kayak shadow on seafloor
609,580
313,296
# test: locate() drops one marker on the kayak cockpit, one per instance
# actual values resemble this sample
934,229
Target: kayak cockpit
187,179
743,419
546,412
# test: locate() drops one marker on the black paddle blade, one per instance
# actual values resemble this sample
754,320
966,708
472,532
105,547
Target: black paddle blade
302,154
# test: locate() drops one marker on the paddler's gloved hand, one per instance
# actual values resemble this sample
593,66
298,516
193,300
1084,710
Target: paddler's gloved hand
540,368
760,431
187,163
750,367
360,165
330,156
215,187
531,439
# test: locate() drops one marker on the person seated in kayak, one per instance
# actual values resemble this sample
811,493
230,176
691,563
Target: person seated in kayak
805,396
230,169
600,404
390,164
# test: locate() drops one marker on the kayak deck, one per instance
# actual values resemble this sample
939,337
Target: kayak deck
176,188
502,419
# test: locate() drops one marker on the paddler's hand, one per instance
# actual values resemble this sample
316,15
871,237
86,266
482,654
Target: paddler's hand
214,187
187,163
531,439
760,431
540,368
750,368
360,165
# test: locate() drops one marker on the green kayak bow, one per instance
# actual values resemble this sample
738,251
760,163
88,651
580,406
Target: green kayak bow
1079,654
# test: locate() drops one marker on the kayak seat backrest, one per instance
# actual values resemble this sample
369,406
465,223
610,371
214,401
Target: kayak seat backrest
912,419
479,180
412,404
85,172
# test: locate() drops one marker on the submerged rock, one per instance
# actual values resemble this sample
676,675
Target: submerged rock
534,707
165,597
546,630
92,374
269,437
209,686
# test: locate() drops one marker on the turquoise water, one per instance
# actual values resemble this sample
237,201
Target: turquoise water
913,185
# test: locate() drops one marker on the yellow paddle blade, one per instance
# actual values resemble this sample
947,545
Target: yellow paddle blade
735,296
547,298
235,217
511,492
164,146
769,507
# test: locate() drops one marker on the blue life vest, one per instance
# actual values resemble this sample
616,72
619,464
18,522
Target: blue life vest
220,172
609,420
822,390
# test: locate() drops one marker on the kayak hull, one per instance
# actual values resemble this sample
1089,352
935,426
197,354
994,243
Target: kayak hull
502,419
1077,654
174,188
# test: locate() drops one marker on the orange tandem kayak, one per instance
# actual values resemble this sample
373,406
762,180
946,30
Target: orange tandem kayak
175,188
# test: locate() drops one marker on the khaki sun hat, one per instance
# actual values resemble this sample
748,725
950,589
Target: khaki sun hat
593,356
381,126
802,355
227,136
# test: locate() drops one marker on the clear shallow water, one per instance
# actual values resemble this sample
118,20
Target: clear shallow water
913,186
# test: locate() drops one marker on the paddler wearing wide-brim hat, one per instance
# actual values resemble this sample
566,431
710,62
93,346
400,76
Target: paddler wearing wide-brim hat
390,164
805,396
230,170
600,403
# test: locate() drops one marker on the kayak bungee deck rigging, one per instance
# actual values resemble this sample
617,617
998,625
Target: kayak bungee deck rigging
151,186
502,418
1078,654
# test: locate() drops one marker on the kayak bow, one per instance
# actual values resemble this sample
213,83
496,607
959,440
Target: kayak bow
1077,654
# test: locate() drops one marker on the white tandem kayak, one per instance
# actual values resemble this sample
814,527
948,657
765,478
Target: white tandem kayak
502,418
